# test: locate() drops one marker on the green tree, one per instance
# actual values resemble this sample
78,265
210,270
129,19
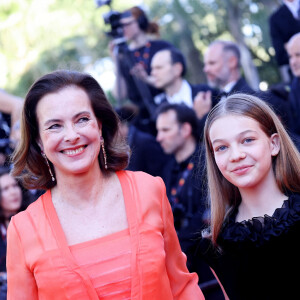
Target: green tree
195,24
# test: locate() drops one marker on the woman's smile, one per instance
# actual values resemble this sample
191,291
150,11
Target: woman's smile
74,151
74,133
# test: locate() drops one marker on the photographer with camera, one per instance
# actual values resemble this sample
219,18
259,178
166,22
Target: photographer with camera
133,63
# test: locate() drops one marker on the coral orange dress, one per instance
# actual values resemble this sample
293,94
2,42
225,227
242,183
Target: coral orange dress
143,262
107,264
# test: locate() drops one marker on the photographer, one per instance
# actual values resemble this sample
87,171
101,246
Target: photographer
133,61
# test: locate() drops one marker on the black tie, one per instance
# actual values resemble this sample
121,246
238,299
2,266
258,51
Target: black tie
222,95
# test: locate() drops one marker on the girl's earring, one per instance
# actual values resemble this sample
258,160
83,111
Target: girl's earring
47,162
104,152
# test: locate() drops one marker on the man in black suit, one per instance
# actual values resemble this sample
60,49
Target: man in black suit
222,66
146,153
168,68
284,23
178,135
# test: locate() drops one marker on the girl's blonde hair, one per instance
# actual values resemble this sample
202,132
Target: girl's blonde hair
286,165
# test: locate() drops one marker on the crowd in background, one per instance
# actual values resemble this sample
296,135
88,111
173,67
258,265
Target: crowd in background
163,121
178,110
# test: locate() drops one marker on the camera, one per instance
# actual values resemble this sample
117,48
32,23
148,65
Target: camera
111,18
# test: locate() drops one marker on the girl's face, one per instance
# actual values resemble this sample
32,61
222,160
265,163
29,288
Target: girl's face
11,194
69,131
242,151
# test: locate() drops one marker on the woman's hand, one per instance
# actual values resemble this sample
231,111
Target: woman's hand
139,72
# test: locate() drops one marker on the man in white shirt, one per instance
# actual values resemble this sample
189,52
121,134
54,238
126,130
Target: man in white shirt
168,68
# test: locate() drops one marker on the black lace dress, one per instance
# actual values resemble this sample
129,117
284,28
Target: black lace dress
260,258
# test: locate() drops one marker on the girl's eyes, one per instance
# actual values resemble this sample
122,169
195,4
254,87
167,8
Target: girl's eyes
244,141
248,140
220,148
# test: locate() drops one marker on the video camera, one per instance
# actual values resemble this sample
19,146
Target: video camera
124,55
112,18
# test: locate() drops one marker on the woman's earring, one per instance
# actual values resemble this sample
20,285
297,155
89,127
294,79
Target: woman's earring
50,171
104,152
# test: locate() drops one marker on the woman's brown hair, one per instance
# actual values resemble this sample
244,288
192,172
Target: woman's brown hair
28,163
286,165
142,19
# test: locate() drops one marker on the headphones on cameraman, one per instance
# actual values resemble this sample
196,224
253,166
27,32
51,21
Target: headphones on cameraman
143,22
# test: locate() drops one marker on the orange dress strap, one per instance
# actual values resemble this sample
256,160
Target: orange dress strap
63,246
129,193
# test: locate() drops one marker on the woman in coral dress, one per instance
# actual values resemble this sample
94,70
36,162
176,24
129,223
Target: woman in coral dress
98,232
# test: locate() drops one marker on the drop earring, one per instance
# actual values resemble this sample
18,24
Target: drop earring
104,152
50,171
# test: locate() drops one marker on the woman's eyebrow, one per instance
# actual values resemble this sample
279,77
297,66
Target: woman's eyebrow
50,121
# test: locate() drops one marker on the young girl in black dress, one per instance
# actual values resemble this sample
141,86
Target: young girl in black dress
253,171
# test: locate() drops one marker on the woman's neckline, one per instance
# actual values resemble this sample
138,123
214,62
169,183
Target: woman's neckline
102,239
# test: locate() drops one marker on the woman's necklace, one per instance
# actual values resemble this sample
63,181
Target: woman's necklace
142,55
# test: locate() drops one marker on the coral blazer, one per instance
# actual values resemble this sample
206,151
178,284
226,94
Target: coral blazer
41,266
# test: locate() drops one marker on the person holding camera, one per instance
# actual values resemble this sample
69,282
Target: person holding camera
133,61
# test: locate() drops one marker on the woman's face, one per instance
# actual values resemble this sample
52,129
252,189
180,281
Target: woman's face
69,131
130,27
242,151
11,194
